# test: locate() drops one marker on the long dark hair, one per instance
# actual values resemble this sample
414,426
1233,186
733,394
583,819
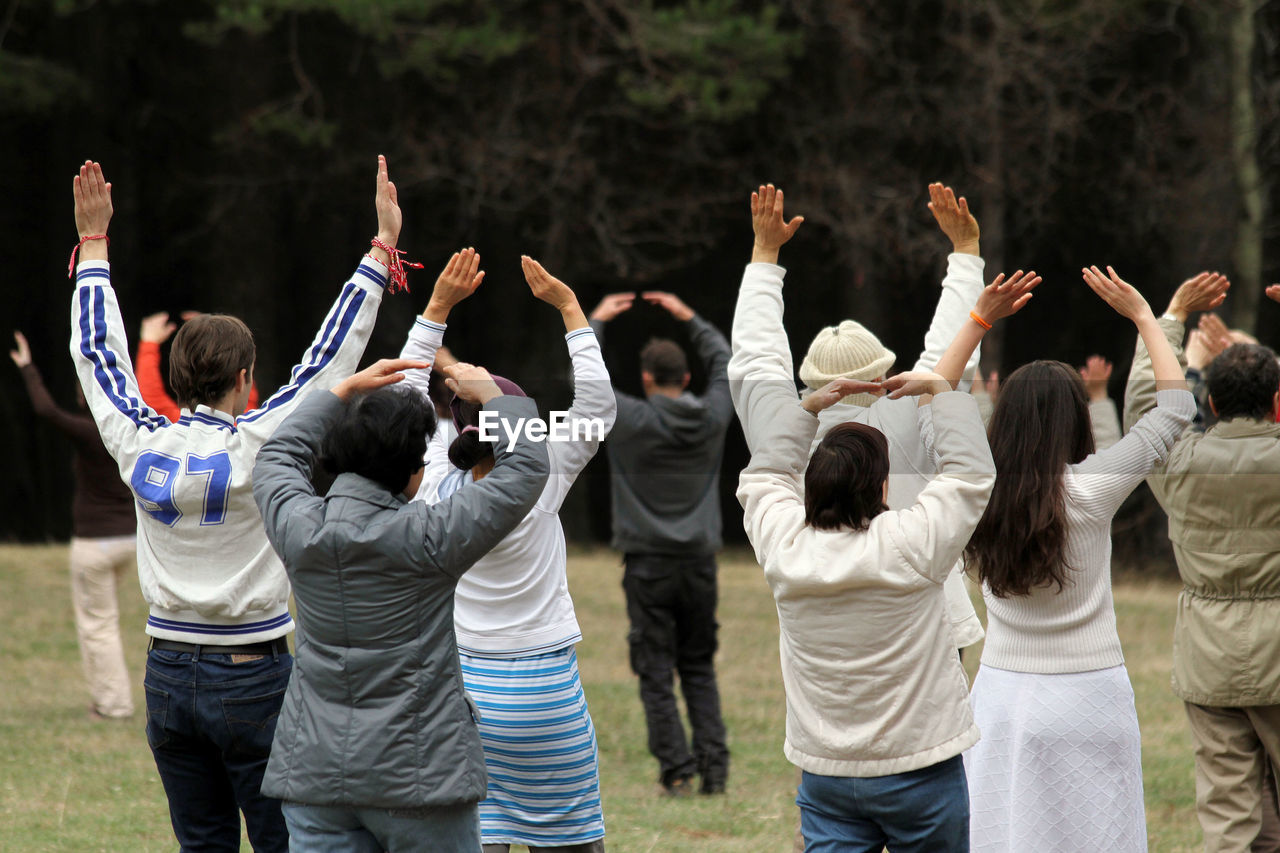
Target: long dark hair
1039,427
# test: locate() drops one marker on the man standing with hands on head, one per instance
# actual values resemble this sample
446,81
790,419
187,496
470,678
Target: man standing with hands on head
664,455
218,595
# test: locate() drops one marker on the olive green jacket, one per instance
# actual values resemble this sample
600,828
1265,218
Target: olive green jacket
1221,490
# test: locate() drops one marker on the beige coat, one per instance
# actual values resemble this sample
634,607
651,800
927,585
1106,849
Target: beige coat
1221,489
873,682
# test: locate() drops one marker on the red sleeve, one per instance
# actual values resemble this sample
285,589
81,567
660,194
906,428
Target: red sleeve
147,368
253,398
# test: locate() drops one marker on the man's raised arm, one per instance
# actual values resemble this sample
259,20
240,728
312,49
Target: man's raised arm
98,345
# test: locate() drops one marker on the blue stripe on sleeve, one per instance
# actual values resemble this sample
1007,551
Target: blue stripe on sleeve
372,276
427,324
330,341
93,346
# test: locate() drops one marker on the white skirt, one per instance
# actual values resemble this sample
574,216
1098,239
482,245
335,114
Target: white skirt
1059,764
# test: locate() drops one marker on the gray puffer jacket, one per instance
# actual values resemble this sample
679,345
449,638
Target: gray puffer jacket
375,714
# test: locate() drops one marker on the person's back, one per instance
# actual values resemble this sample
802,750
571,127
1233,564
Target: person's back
217,593
1060,754
207,571
1220,491
664,456
377,739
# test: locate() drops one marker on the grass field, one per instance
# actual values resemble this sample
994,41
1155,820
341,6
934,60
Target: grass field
70,784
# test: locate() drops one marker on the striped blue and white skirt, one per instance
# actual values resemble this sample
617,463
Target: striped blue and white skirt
539,749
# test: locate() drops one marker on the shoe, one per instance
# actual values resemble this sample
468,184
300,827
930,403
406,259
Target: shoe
98,717
679,787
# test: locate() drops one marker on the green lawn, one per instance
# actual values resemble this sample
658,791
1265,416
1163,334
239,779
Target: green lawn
70,784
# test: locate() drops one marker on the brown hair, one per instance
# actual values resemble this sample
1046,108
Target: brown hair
208,354
665,361
1039,427
844,483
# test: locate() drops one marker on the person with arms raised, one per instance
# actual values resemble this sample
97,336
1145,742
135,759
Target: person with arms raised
218,595
377,746
877,702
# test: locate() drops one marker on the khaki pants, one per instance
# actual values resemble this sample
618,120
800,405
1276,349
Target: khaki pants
97,567
1233,747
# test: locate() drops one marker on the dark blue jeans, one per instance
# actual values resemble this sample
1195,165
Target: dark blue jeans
210,722
922,811
671,602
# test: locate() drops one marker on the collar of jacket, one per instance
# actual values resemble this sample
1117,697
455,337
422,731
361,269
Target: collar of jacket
1241,427
350,485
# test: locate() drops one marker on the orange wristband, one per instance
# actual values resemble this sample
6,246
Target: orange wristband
973,315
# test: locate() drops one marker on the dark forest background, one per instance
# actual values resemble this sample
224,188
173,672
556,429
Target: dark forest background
618,143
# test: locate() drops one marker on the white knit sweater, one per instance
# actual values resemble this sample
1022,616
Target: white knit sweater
1074,630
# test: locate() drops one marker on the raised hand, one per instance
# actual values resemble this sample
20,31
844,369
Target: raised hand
1273,292
545,286
1117,293
833,392
954,219
554,292
381,373
22,355
669,302
1095,373
387,203
991,387
613,305
914,383
458,280
1005,297
471,383
1202,292
92,196
1198,351
1217,336
156,328
771,229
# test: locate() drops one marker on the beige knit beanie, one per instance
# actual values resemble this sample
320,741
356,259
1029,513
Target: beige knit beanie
847,351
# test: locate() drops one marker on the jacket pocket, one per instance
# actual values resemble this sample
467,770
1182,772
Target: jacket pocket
251,722
157,715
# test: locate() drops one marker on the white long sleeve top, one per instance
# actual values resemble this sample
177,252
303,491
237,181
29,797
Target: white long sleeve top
206,569
1074,630
910,466
515,600
873,683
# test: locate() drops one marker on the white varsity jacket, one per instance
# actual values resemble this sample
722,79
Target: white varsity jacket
204,563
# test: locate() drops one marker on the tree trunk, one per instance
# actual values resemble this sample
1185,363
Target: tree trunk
1247,255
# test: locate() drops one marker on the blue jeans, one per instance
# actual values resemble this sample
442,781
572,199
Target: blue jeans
344,829
921,811
210,722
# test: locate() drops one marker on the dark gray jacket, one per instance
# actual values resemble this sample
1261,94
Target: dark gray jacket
375,714
664,459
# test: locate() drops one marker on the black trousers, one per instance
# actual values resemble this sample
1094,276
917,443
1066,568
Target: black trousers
671,602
